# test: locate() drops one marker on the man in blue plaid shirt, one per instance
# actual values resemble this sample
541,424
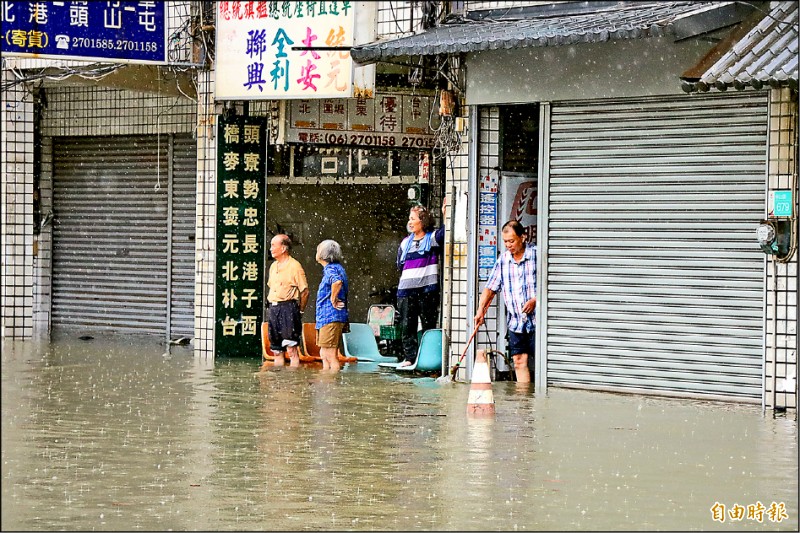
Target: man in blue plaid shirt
515,272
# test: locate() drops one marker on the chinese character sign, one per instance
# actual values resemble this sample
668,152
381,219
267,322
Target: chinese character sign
241,209
269,50
487,226
388,120
124,32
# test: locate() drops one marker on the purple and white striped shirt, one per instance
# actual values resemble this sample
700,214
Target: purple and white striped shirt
420,270
518,281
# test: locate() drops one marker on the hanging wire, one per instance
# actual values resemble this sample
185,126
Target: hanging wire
178,53
446,139
493,351
93,72
769,15
396,23
158,135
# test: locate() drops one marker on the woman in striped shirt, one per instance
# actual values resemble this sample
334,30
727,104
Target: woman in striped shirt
418,291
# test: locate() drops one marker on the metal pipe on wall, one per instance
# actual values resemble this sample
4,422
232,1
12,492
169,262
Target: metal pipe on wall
450,246
472,225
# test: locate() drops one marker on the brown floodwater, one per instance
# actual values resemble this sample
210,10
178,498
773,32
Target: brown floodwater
120,434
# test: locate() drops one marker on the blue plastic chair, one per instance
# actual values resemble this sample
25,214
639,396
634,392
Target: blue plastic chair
429,355
360,342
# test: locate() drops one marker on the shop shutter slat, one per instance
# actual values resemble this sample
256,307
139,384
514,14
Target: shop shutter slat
653,275
184,161
109,256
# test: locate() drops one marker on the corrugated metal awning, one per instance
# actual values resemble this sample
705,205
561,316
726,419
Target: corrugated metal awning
767,54
614,23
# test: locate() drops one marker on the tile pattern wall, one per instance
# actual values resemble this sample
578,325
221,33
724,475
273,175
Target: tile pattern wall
397,19
77,111
456,317
456,302
488,162
781,287
16,236
206,209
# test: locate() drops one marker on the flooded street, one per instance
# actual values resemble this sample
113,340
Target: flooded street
100,435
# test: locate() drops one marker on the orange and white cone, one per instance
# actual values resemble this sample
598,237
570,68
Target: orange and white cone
481,398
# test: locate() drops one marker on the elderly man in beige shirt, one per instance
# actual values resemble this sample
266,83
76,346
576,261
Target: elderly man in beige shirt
287,298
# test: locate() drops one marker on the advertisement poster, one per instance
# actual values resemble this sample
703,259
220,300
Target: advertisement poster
519,194
273,50
388,120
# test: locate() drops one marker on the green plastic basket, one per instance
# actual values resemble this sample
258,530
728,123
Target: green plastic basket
390,332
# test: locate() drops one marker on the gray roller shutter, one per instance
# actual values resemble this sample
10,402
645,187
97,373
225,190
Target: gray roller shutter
111,238
653,275
183,234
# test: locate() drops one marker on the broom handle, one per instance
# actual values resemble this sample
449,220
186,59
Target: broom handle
474,331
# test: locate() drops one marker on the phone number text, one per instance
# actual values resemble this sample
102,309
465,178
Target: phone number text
114,44
364,139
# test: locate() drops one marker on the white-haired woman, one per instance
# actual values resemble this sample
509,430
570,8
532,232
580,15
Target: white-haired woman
418,290
332,316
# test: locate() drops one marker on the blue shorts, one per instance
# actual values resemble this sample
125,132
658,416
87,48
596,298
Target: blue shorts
522,343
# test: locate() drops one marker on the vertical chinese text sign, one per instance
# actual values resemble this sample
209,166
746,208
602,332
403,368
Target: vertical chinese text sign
241,209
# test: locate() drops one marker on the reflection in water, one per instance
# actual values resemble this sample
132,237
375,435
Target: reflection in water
119,435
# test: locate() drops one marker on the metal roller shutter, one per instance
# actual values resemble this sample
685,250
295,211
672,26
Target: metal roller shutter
184,161
111,239
653,275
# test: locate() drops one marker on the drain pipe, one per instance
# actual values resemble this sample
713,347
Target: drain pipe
472,227
170,232
774,333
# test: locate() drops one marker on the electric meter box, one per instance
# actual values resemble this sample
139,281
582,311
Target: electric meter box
774,236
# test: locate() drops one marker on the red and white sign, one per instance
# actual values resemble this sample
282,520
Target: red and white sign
388,120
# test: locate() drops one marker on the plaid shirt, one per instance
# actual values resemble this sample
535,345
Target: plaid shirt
326,313
518,281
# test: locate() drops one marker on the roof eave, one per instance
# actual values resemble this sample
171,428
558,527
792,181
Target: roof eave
367,54
739,85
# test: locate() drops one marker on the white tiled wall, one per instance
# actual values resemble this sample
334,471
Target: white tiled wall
80,110
456,316
17,207
398,18
488,161
781,325
205,235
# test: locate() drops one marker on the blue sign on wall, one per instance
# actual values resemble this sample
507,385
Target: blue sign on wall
487,228
128,32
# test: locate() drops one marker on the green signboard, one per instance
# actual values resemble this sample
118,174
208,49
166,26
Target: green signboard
781,202
241,210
